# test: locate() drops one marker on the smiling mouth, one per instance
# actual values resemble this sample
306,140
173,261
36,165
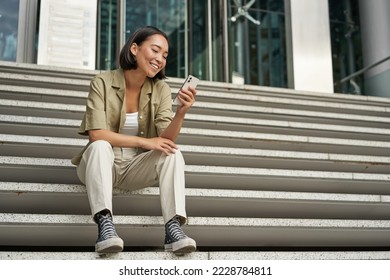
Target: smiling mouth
156,67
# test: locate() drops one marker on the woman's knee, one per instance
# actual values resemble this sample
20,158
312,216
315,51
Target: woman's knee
100,148
178,155
176,158
100,144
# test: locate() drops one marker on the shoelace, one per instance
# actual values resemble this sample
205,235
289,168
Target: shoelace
106,227
174,230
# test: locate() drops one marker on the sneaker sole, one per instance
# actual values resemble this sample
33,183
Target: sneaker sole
181,247
111,245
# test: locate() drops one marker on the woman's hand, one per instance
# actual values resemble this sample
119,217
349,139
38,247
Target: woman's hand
187,98
159,144
162,144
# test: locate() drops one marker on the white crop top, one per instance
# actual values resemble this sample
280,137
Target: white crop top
131,124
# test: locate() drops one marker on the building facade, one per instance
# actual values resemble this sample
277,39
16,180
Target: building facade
340,46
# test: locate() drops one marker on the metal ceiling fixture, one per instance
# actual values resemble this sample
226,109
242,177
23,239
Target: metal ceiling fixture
242,10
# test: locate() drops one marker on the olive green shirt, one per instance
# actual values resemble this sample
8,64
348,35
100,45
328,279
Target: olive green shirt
106,106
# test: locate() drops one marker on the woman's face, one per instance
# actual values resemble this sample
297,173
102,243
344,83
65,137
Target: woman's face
151,54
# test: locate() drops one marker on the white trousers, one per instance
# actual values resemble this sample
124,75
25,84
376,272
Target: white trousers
103,167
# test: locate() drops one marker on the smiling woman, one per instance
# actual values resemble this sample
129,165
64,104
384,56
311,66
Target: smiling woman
151,54
131,129
149,39
145,55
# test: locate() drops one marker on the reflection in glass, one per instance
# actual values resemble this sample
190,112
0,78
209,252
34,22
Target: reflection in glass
9,11
107,34
198,40
346,44
167,15
258,52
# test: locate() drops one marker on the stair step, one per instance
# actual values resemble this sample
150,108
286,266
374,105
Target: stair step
46,70
233,110
218,90
148,231
201,255
239,139
57,147
54,110
74,112
220,110
292,100
44,81
12,124
16,197
53,95
301,128
202,176
41,109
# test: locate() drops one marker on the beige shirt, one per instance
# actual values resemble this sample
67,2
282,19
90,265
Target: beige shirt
106,106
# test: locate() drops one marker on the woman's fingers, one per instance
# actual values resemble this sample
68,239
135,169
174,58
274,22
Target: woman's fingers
188,95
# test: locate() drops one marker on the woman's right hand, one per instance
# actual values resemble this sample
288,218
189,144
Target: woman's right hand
160,144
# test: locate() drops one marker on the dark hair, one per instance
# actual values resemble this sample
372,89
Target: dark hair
127,60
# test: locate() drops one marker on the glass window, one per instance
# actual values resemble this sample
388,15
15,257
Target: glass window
217,44
198,39
258,51
346,44
170,17
107,50
9,12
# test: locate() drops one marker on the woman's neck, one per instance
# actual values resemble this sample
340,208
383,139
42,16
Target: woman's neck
134,79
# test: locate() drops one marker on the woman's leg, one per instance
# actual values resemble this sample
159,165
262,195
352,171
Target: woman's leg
154,167
96,172
151,168
172,186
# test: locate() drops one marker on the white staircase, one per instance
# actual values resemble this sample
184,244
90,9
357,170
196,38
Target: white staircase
271,174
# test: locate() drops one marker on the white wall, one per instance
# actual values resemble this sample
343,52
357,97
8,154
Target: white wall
375,24
309,44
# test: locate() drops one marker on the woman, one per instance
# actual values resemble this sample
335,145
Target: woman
131,129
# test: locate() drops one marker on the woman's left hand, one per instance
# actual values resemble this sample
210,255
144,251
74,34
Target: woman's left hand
187,98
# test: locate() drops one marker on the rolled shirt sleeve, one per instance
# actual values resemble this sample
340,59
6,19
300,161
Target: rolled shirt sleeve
163,114
95,114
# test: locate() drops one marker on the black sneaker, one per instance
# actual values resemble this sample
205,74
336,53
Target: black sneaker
176,240
108,241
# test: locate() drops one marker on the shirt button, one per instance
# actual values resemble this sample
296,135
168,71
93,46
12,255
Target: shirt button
142,133
140,117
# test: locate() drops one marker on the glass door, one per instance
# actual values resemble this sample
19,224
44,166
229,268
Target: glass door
107,50
9,19
257,42
171,17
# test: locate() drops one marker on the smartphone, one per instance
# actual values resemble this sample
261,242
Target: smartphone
190,81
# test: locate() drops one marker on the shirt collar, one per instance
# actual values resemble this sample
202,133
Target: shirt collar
119,83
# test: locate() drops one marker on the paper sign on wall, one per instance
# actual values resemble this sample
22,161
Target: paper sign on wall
67,33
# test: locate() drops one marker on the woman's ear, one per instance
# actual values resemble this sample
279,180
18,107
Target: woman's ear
134,49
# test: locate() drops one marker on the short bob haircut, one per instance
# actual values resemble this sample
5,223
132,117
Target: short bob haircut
127,60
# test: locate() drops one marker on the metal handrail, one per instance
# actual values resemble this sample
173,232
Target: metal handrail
361,71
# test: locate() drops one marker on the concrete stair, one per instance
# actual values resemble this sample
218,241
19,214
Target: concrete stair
271,174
